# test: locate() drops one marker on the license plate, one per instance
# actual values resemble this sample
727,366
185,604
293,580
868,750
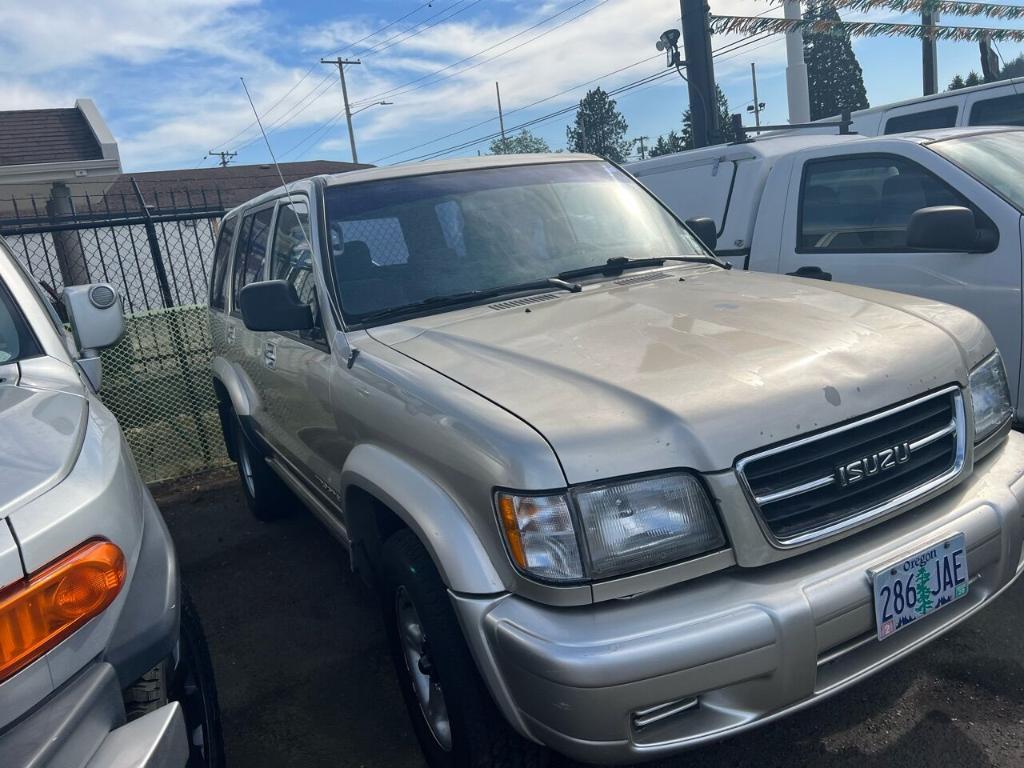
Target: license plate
920,585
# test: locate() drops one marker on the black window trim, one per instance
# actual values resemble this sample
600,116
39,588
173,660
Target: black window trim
871,156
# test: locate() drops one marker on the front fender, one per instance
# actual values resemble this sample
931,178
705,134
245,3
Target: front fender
430,512
243,396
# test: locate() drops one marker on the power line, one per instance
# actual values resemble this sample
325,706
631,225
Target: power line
396,39
313,68
729,48
398,89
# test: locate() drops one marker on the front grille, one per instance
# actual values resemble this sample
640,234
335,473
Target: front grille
844,476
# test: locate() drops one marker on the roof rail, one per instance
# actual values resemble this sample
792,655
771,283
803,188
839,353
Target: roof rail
741,130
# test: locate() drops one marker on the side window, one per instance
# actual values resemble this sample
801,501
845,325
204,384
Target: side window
291,259
218,294
1003,110
16,342
865,203
252,250
922,121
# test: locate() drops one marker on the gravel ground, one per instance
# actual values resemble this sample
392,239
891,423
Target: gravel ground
305,679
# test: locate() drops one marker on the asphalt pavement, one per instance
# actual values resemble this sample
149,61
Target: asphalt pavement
305,678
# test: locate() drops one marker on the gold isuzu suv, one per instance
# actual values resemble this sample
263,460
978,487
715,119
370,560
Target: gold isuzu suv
617,499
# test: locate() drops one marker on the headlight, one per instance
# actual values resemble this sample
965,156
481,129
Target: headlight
990,395
627,526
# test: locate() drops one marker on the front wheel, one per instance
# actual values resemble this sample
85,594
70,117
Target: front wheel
266,495
189,681
457,723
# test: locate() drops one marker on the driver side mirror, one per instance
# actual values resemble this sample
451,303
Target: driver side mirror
705,229
272,305
948,228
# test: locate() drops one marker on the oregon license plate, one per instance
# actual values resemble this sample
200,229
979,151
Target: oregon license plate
920,585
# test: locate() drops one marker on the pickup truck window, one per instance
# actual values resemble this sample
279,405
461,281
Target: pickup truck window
16,341
864,203
1004,110
397,242
922,121
994,159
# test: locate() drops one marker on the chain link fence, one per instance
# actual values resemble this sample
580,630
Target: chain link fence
157,253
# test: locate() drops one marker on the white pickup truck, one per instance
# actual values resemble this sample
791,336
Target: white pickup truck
935,214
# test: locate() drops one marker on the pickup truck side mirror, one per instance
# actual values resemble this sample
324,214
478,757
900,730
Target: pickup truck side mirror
97,321
705,229
272,305
948,228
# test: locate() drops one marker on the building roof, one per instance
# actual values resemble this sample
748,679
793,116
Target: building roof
219,186
33,136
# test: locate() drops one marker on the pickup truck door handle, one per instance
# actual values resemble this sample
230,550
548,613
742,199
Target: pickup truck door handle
814,273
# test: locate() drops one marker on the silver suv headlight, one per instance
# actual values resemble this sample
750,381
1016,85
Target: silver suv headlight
625,526
990,395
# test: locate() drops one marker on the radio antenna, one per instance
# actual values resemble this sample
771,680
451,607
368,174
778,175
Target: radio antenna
277,166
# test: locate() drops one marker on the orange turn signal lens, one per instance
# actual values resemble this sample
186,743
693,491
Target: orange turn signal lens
39,612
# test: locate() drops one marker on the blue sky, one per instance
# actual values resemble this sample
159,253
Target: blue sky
165,73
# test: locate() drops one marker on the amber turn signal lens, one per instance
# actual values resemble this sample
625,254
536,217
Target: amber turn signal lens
41,611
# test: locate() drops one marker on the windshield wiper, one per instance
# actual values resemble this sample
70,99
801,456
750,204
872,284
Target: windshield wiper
618,264
469,296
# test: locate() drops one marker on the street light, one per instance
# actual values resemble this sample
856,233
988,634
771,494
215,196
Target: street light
375,104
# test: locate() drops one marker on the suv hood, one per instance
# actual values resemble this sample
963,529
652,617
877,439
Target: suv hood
40,438
685,367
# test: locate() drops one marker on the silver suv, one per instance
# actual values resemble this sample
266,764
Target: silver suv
617,499
102,659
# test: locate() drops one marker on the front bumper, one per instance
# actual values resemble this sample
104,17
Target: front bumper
747,645
83,726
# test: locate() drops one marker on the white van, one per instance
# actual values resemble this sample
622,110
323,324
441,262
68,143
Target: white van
934,214
997,103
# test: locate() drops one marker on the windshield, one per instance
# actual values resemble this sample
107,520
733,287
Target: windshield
398,242
16,342
995,159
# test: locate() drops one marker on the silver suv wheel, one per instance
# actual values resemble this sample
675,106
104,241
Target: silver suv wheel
421,669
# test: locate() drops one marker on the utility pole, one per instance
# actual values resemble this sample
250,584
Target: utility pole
796,70
501,119
929,55
643,149
225,157
758,105
700,73
340,63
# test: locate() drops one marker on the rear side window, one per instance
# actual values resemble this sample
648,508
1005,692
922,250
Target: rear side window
251,252
861,204
1004,110
923,121
16,342
218,282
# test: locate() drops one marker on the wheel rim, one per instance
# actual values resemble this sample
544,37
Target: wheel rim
421,670
245,464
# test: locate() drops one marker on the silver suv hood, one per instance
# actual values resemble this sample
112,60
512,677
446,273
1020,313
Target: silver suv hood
685,373
40,438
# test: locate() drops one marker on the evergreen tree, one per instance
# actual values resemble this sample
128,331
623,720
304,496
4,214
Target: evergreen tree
834,76
667,145
724,121
1012,68
923,588
956,83
523,143
973,78
599,128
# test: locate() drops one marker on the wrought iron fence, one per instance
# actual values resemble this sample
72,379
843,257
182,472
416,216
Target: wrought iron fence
157,252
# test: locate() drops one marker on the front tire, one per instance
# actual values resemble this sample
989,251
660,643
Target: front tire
265,494
191,683
457,723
